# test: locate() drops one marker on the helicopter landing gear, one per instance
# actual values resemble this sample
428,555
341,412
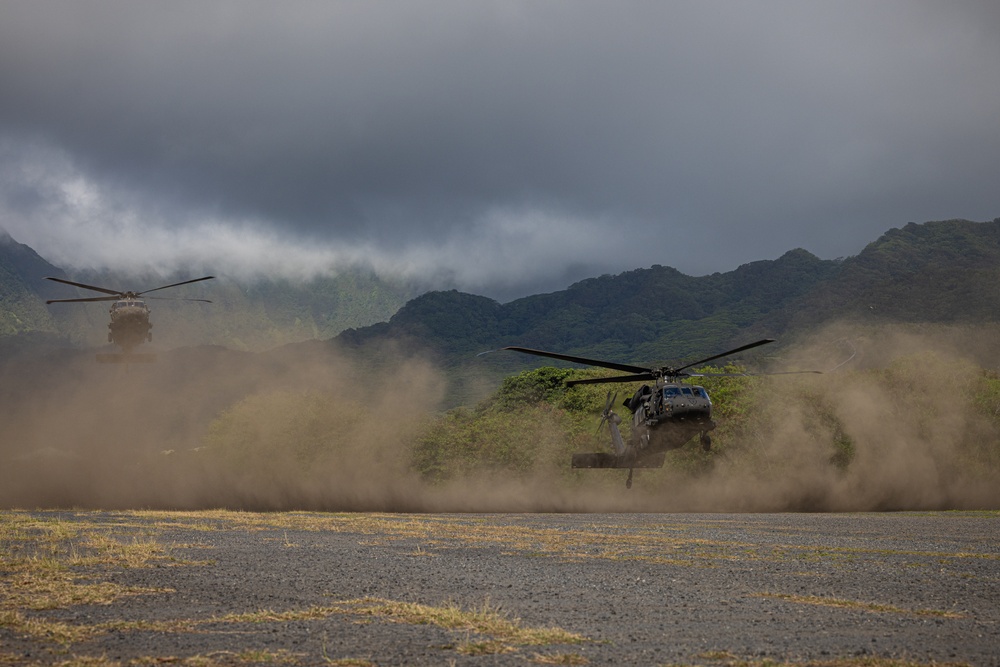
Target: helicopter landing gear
706,441
628,482
644,441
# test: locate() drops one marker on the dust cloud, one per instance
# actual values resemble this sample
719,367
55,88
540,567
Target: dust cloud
300,426
911,423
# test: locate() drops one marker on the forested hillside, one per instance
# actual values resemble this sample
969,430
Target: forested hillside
945,271
936,272
645,313
23,290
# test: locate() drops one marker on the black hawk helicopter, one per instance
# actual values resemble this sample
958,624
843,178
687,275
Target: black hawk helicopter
665,416
130,325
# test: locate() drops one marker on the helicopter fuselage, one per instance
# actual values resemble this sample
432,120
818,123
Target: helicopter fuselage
130,325
668,415
664,417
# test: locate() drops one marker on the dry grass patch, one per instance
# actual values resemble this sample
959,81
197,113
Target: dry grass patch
88,661
75,543
718,656
253,656
45,630
50,564
420,552
176,625
108,550
382,529
867,661
863,606
484,647
269,616
559,659
486,621
37,582
39,589
660,544
221,658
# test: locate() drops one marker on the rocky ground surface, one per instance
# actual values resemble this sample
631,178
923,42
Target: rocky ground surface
205,588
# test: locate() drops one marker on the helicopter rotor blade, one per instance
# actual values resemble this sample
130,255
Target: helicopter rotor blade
764,341
186,282
640,377
748,375
93,298
810,372
105,290
175,298
789,373
640,374
580,360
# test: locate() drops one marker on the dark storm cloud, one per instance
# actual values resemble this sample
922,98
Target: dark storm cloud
503,147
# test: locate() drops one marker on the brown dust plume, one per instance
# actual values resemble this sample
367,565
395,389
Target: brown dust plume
912,423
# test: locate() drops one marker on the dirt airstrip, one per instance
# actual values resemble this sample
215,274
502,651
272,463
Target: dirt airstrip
237,588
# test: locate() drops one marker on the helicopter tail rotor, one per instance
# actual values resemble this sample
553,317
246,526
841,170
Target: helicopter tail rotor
613,420
607,413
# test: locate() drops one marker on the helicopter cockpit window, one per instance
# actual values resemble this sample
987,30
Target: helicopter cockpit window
670,391
686,391
700,391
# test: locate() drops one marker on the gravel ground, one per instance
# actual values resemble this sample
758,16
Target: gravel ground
642,589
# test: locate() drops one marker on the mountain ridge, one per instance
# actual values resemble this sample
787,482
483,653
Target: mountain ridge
938,271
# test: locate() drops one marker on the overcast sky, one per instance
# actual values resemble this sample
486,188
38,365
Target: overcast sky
503,148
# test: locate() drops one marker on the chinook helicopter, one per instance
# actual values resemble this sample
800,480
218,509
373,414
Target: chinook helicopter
130,325
665,416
